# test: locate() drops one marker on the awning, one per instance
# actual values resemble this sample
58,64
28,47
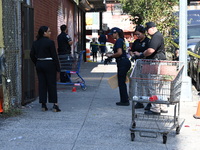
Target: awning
95,5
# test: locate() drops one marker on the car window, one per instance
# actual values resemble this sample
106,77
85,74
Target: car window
194,32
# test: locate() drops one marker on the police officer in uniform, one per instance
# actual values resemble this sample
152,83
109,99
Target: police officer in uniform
142,41
123,64
44,56
140,45
64,47
155,51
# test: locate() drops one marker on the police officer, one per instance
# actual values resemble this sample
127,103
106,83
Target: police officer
44,56
140,45
155,51
64,47
123,64
142,41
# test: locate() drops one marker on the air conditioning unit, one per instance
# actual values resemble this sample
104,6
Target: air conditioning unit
86,5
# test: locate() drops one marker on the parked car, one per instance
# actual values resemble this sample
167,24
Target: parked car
194,62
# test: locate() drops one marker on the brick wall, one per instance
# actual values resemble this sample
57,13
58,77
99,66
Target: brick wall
45,13
54,13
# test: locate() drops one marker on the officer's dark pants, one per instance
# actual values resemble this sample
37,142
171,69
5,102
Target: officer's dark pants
123,66
65,77
46,71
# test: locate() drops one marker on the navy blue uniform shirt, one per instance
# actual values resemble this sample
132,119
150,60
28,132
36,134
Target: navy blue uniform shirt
120,44
44,48
63,40
140,46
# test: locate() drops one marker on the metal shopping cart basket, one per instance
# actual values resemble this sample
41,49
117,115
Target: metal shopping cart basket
70,64
158,82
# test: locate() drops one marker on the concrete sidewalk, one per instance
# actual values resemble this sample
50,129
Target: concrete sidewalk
90,120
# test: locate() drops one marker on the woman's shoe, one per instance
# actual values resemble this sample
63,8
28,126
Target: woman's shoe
44,107
123,104
56,108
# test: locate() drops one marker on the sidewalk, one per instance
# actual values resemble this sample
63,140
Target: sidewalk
90,120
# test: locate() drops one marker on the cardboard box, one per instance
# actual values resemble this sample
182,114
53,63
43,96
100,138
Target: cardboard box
113,81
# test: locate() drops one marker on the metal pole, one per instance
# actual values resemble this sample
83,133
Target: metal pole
186,91
183,34
100,20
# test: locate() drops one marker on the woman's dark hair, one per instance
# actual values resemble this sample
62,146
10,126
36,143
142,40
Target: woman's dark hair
121,34
140,28
41,31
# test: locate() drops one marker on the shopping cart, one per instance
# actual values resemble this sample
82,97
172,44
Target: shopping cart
70,64
158,82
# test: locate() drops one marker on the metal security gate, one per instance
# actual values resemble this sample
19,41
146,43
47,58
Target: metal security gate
28,73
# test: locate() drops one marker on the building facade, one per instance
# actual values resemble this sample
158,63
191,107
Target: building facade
21,20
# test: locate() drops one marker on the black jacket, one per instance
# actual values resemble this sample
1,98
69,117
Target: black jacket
44,48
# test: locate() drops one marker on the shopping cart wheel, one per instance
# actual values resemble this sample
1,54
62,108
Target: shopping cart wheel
83,87
164,138
178,130
132,136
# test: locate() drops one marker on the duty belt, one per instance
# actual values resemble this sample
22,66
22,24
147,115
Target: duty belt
120,58
48,58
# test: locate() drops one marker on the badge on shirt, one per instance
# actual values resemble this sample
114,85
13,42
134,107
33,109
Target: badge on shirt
143,44
69,38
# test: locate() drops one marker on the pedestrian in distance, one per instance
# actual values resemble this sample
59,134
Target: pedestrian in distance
123,64
44,56
140,45
94,48
155,51
64,48
102,41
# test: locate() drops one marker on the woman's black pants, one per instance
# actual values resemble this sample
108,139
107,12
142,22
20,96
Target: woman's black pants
46,71
123,66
